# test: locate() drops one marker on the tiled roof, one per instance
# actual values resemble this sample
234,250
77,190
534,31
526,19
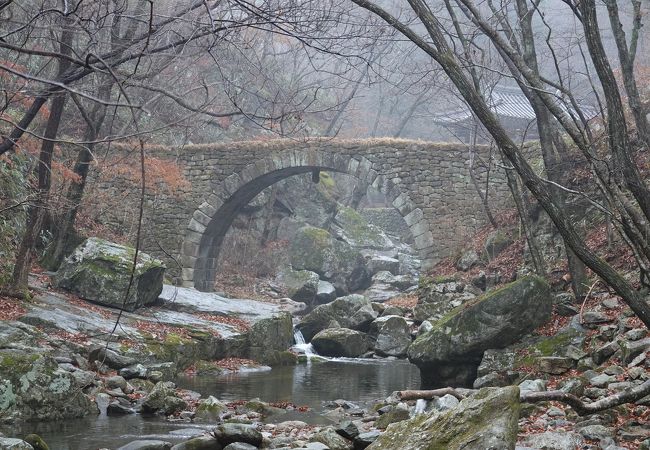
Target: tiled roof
505,102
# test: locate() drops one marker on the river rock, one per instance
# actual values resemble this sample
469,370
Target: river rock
33,388
100,271
239,446
392,335
209,409
269,338
301,285
147,444
487,420
109,357
553,440
227,433
352,311
156,400
326,292
199,443
14,444
333,260
332,439
341,342
450,353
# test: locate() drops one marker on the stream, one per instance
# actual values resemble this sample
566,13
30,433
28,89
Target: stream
313,384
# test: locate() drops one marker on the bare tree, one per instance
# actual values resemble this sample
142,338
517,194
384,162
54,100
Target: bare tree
626,192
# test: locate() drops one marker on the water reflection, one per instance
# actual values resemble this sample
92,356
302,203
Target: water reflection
305,384
311,384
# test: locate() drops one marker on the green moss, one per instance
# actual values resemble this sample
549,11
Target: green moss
318,235
327,181
17,364
36,441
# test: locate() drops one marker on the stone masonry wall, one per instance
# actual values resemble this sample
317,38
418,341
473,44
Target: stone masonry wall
428,183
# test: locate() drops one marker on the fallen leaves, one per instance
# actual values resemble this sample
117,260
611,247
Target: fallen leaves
235,364
11,308
403,301
162,331
239,324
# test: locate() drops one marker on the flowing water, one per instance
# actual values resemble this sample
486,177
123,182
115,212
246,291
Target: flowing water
313,385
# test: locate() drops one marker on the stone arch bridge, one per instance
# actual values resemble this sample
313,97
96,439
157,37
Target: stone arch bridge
428,183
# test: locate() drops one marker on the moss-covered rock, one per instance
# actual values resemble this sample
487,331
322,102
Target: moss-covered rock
269,338
391,334
316,250
209,409
393,416
301,285
341,342
100,271
486,420
352,311
33,388
456,343
351,227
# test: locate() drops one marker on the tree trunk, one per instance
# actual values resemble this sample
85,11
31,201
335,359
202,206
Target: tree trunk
35,216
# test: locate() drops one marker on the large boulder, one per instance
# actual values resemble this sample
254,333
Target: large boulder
449,353
100,271
301,285
352,311
352,228
33,388
341,342
269,338
316,250
487,420
392,335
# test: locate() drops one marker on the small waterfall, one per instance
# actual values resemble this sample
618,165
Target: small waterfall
420,406
303,346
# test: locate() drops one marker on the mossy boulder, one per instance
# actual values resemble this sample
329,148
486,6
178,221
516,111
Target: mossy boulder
209,410
100,271
486,420
352,311
268,339
157,400
391,334
451,351
301,285
316,250
353,228
332,439
33,388
341,342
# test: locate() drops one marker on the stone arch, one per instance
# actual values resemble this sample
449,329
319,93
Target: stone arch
212,219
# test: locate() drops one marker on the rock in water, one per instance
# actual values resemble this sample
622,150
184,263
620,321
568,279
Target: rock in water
341,342
100,271
33,388
352,311
487,420
449,353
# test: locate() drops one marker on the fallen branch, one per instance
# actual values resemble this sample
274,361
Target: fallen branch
582,408
428,394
